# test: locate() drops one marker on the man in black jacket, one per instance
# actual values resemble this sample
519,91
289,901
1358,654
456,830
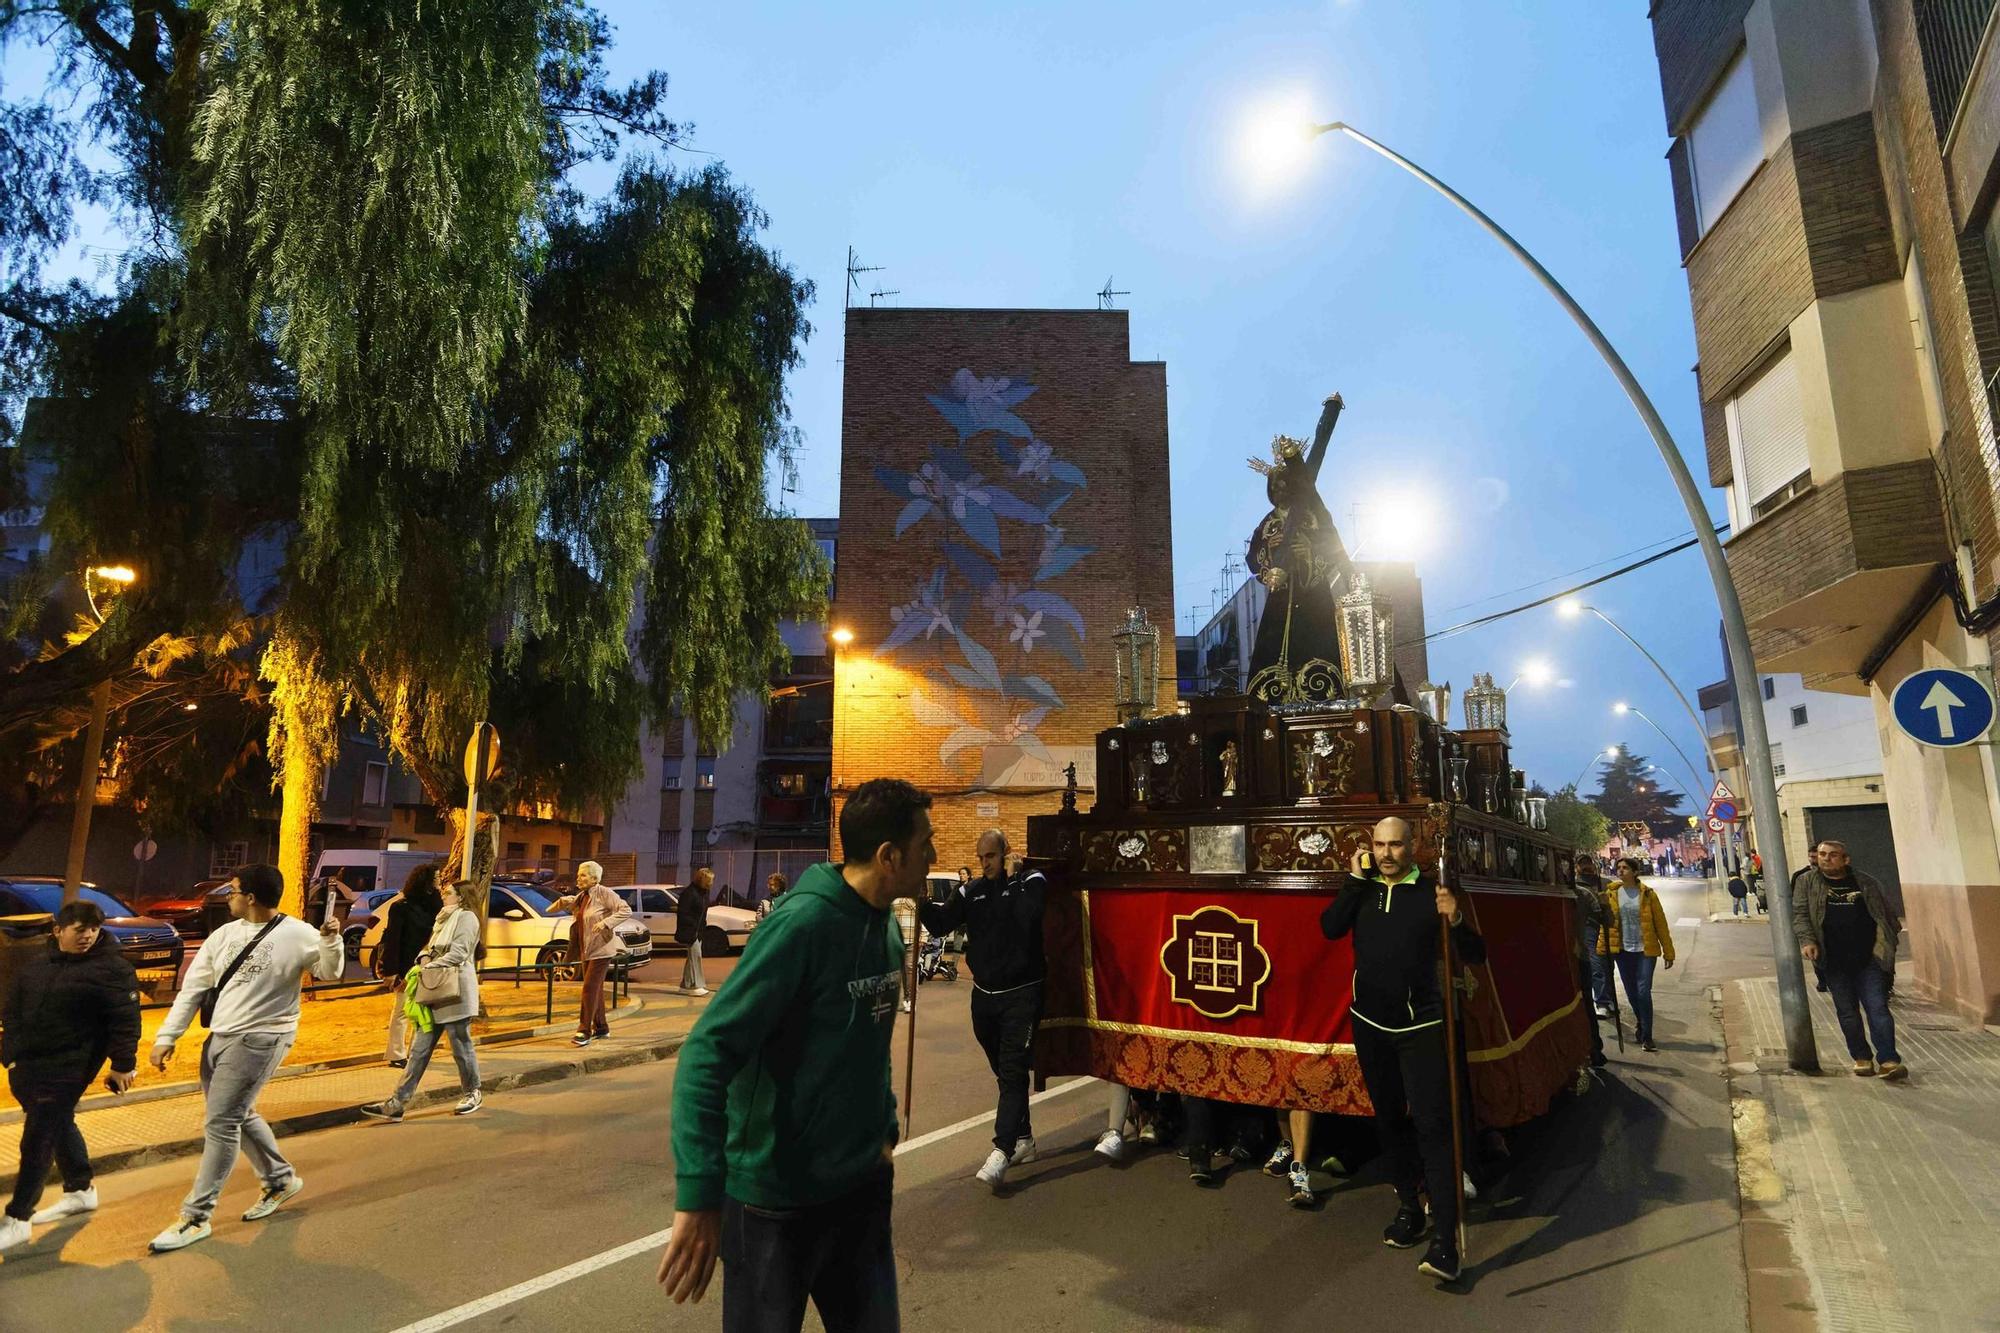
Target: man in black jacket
68,1009
1398,1019
1002,917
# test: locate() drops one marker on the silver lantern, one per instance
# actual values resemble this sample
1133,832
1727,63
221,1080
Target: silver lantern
1136,652
1367,631
1485,704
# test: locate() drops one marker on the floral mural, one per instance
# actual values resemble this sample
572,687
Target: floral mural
987,627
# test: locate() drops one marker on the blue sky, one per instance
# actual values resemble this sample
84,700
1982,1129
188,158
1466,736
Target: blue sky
1020,154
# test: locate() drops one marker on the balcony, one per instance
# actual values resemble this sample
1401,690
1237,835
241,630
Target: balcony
1828,576
793,813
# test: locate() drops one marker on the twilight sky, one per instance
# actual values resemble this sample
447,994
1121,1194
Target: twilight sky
1020,154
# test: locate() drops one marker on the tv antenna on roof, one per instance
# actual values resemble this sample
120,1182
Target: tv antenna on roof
855,268
893,291
1104,297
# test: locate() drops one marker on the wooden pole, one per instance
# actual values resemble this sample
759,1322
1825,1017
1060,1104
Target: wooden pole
1451,1066
910,1047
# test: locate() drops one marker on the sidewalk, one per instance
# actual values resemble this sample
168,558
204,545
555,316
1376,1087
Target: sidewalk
1866,1206
168,1126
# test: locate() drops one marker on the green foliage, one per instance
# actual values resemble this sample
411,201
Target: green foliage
1577,822
377,328
1627,791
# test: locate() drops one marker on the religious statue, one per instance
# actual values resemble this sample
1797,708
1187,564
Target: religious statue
1296,553
1229,762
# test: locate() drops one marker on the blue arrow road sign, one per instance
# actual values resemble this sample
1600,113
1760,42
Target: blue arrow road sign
1943,707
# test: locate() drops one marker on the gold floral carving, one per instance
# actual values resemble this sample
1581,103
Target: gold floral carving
1286,846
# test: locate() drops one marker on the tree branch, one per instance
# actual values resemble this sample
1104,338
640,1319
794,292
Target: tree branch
20,314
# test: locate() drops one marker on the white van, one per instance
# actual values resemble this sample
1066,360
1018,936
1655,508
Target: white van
362,869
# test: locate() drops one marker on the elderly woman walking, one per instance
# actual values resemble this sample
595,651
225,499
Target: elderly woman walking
453,950
595,938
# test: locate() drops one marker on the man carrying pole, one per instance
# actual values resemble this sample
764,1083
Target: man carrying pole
1405,923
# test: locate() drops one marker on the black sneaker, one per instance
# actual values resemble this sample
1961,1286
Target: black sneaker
1406,1228
1440,1260
1201,1165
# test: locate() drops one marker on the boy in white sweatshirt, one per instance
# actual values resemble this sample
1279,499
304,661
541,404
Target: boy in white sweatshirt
256,1020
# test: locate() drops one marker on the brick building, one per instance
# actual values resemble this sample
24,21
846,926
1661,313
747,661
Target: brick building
1004,499
1834,167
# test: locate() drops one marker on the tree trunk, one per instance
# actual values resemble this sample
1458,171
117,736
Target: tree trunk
485,857
299,804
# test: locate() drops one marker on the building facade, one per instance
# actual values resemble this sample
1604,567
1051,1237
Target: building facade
1834,167
1004,500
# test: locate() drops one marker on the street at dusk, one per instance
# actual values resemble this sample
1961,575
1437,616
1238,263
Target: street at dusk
1002,667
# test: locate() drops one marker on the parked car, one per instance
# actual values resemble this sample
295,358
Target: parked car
726,930
149,943
192,914
362,914
522,923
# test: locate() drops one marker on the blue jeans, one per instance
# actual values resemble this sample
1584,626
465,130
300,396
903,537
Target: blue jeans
1863,990
1739,906
421,1047
1636,971
840,1255
1600,980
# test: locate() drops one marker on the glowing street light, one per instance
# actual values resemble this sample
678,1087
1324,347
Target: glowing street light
1608,752
842,636
1801,1051
1537,671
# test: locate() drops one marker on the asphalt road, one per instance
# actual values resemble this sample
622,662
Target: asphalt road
1618,1211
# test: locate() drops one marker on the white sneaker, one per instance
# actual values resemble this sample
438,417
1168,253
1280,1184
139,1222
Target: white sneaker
273,1198
1024,1151
1110,1145
994,1173
179,1236
69,1205
13,1231
469,1103
1470,1191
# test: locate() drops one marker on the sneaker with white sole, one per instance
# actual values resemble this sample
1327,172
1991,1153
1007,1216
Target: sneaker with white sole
1302,1191
69,1205
13,1231
469,1103
1110,1145
1024,1151
273,1198
1280,1160
179,1236
994,1173
390,1111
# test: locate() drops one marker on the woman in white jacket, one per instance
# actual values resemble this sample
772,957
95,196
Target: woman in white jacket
454,942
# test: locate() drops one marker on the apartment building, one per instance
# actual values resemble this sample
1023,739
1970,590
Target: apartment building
1834,166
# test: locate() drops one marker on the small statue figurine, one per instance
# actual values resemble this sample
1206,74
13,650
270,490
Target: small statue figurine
1229,768
1069,789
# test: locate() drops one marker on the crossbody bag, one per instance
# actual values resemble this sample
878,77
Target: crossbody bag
214,992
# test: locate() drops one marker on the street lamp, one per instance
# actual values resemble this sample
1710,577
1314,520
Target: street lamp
1623,708
1595,759
1536,671
114,578
1569,609
842,636
1800,1051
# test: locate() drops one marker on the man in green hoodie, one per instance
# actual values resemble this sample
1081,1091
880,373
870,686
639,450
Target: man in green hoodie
784,1117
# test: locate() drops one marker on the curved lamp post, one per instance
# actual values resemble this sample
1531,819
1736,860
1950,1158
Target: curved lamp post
1595,760
1623,708
1800,1051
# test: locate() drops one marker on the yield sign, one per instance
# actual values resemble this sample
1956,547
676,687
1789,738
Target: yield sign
1722,806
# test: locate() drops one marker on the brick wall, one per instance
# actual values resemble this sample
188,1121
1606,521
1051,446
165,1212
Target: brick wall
1693,40
1750,276
1845,213
1870,518
983,593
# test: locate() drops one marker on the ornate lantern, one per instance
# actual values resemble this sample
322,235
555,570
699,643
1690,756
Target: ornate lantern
1485,704
1136,650
1435,700
1367,630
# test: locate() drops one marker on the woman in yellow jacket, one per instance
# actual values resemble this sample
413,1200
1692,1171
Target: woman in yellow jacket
1635,940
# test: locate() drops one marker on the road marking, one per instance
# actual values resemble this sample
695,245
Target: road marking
534,1286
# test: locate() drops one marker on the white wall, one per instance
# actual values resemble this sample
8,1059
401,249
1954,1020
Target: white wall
1839,739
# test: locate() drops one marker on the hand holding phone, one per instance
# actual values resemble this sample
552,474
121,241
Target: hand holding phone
1364,863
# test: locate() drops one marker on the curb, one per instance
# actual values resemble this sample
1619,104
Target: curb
103,1101
1776,1285
554,1072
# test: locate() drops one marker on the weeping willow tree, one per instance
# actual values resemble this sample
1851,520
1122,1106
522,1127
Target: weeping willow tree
483,416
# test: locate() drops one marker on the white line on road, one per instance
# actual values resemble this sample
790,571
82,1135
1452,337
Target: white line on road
520,1291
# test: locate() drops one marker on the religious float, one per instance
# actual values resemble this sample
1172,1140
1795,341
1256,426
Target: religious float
1184,945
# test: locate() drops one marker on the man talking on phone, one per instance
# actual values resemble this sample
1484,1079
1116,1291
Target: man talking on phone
1392,909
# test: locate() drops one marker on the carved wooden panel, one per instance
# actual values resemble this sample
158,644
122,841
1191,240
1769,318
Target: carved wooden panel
1306,846
1160,850
1322,761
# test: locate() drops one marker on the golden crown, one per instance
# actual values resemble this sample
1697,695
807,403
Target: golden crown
1284,451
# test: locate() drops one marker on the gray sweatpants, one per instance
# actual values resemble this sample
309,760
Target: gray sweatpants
234,1069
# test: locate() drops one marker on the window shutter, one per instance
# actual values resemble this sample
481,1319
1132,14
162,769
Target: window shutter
1771,430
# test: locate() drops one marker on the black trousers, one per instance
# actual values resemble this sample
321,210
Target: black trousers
48,1136
841,1255
1410,1086
1586,984
1004,1026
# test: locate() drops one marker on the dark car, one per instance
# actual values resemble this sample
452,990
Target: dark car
196,913
149,943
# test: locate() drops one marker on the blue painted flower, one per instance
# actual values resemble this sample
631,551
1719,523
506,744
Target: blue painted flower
1027,629
1033,460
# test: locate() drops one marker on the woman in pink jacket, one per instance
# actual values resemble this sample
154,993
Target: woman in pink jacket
594,940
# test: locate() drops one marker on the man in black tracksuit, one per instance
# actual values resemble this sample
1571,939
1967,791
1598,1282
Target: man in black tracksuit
1398,1019
71,1007
1002,917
